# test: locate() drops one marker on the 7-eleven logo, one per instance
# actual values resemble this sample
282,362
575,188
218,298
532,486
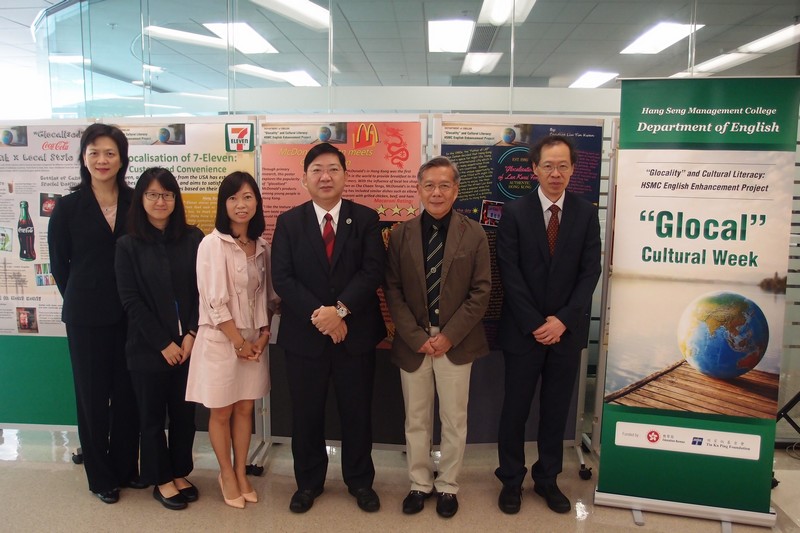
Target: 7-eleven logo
239,137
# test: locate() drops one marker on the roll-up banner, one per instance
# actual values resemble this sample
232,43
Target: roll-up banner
697,295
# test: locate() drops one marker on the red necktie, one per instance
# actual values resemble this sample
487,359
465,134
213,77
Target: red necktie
328,236
552,227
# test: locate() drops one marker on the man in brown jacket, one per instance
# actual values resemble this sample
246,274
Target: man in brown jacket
438,282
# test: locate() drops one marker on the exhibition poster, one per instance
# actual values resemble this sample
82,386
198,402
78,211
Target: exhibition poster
698,289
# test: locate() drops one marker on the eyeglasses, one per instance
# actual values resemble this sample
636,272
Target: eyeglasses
444,188
548,169
154,196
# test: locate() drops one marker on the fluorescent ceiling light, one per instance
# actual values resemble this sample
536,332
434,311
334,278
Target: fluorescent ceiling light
303,12
243,37
498,12
163,106
185,37
725,61
298,78
139,83
209,96
592,79
480,63
449,35
152,68
660,37
68,59
774,41
687,74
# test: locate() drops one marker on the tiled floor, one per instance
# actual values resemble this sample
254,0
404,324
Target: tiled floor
42,490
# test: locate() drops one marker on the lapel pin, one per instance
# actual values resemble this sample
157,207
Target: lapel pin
348,221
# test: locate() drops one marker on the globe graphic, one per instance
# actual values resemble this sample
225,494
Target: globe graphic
509,135
324,133
723,334
7,137
163,135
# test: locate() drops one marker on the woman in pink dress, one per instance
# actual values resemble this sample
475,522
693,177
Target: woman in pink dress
229,367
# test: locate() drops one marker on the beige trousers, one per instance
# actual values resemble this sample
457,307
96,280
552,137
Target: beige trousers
451,383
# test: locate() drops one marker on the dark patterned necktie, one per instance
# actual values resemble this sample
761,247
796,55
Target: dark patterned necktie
328,236
552,228
433,273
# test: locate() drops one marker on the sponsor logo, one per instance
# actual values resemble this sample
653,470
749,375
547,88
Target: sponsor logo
366,135
697,441
239,137
653,436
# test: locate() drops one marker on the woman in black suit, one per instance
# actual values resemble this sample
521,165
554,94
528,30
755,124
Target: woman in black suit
82,235
157,284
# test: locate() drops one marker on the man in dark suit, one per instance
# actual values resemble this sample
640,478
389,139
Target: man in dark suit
548,253
437,286
328,259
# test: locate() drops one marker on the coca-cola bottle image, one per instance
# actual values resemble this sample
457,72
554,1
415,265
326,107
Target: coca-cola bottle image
27,249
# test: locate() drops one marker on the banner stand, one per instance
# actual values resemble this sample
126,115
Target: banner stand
258,456
726,516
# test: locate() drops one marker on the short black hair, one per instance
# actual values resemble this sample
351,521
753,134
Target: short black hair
535,152
439,161
323,148
137,217
90,135
229,187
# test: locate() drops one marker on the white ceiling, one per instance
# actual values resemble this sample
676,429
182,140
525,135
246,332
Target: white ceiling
383,42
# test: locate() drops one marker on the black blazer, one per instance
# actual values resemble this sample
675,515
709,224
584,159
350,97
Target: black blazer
81,246
305,280
536,285
144,281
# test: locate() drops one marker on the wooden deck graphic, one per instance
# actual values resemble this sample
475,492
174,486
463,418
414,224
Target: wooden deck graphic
681,387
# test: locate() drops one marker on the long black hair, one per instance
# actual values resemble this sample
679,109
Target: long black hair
138,224
229,187
90,135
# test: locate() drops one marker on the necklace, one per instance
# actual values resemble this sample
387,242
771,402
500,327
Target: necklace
241,242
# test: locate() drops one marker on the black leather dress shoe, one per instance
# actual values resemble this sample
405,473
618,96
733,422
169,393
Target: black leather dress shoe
554,497
415,501
366,498
190,493
174,503
135,484
302,500
446,505
108,496
510,499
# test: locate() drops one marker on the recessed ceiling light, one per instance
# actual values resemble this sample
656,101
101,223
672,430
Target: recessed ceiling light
185,37
660,37
725,61
304,12
498,12
243,37
68,59
592,79
450,35
480,63
298,78
774,41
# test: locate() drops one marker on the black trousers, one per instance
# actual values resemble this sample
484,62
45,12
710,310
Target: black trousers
108,425
353,377
162,394
557,372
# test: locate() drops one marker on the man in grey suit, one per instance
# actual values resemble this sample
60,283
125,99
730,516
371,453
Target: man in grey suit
437,287
548,253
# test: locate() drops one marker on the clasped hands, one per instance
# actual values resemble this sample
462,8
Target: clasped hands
436,346
329,323
251,351
177,355
550,332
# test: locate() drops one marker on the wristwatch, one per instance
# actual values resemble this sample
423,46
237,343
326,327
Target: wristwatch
341,310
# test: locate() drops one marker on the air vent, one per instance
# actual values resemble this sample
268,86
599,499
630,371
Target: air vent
483,38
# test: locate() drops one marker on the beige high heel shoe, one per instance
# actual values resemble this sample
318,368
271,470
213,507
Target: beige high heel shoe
238,503
250,497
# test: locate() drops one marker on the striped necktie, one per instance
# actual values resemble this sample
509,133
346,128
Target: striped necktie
433,269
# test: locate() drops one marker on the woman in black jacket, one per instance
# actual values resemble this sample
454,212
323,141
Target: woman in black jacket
81,237
157,282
